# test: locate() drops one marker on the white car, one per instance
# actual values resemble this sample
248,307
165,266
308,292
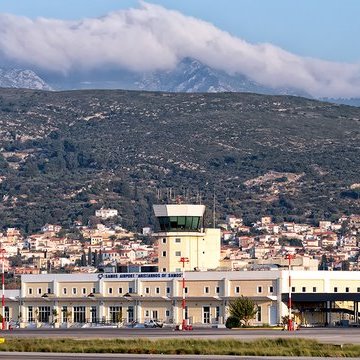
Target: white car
153,324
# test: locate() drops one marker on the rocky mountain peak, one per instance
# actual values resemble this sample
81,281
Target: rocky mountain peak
19,78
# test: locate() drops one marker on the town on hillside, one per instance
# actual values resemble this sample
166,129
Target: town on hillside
110,248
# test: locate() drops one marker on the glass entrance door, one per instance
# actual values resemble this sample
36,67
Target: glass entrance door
130,314
206,314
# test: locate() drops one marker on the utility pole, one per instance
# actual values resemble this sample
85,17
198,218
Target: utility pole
290,322
183,260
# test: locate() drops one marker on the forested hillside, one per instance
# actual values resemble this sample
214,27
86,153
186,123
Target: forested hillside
66,154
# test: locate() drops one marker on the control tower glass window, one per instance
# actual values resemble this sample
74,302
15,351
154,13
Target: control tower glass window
179,223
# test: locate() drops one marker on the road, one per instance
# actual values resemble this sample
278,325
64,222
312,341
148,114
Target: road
49,356
324,335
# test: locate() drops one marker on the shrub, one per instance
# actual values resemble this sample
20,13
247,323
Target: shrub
244,309
232,322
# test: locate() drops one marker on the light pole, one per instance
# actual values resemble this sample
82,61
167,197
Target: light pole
290,322
183,260
3,288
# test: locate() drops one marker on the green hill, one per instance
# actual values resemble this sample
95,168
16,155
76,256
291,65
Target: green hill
65,154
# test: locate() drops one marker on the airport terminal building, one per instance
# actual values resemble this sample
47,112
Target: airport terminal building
319,297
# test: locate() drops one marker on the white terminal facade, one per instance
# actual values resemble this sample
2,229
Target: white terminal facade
319,297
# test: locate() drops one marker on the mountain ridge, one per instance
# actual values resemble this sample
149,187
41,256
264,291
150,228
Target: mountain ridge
190,75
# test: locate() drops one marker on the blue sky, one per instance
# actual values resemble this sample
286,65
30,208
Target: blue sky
325,29
308,45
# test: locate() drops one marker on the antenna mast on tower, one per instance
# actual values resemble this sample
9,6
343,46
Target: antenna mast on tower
214,213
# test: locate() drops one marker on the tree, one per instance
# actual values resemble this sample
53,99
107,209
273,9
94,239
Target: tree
55,314
244,309
89,257
345,265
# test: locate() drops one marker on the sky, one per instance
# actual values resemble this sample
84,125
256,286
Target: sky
326,29
311,44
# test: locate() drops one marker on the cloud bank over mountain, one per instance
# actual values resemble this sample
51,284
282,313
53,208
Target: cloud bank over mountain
155,38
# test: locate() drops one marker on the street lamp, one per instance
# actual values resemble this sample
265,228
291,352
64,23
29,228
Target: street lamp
183,260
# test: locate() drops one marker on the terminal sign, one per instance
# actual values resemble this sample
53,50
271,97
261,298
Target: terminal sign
140,276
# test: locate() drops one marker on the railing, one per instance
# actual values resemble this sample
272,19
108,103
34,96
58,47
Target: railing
87,323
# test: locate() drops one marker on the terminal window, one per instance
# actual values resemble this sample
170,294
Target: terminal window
176,223
65,314
93,313
258,317
30,314
115,313
217,313
79,314
44,313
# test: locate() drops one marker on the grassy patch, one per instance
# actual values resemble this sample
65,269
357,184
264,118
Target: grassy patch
265,347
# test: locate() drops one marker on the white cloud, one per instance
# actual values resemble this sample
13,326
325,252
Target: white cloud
153,38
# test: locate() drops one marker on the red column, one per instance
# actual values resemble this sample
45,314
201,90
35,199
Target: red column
3,288
183,260
290,322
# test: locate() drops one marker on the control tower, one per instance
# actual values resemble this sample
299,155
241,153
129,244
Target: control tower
182,235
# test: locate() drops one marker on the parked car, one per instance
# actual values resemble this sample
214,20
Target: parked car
136,325
153,324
